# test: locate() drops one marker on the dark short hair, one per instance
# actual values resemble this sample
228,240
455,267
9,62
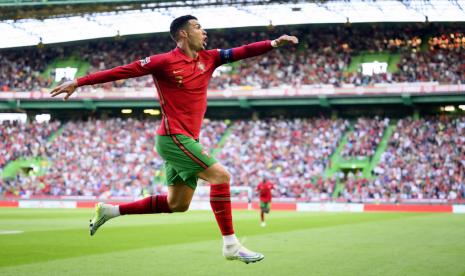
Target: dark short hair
178,24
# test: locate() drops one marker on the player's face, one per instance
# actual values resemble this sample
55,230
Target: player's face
196,36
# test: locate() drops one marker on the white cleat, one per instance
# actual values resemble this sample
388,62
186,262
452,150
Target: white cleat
240,253
99,218
263,224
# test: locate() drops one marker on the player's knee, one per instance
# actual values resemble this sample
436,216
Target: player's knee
220,178
216,174
224,177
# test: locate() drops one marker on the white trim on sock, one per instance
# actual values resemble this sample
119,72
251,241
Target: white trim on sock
112,210
230,239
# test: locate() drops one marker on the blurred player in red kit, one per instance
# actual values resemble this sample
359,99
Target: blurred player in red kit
264,190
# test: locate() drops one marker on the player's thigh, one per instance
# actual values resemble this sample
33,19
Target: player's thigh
215,174
184,158
180,195
174,178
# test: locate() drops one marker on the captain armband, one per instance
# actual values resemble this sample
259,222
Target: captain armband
226,55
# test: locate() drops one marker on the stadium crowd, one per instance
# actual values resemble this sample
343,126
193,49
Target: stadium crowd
21,71
364,140
322,58
292,154
104,158
20,140
425,159
97,156
111,158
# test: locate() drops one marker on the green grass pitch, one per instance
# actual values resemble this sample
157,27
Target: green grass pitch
57,242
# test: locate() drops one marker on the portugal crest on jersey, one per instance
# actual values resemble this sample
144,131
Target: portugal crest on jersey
201,66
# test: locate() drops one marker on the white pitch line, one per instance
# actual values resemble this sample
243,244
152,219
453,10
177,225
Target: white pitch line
10,232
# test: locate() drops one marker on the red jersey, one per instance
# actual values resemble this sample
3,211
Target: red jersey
264,189
181,82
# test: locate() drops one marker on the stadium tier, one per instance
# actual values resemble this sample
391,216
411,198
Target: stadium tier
115,158
328,56
328,128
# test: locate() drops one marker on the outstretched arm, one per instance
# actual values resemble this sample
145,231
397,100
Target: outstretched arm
136,69
284,40
66,88
255,49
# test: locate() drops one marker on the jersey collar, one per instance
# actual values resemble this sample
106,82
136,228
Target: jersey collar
178,52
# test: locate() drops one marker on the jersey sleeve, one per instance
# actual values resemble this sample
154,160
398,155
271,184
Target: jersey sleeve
215,54
242,52
146,66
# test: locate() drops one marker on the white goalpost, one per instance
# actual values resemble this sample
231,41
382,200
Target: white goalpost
239,194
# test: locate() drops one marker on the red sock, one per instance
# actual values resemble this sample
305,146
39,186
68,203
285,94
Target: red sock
220,200
148,205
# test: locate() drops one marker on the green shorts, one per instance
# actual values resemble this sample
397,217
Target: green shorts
265,206
184,158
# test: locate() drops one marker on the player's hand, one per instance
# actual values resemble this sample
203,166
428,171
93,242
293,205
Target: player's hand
284,40
67,88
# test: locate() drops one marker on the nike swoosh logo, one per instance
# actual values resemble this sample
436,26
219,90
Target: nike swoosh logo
217,212
177,71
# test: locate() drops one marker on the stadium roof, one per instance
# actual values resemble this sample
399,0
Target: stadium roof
152,18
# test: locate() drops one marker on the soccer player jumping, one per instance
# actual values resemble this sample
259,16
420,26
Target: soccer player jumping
181,77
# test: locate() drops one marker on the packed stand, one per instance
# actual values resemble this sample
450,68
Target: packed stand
364,139
321,58
425,159
98,157
24,140
95,158
441,62
211,134
319,189
22,70
355,188
293,154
